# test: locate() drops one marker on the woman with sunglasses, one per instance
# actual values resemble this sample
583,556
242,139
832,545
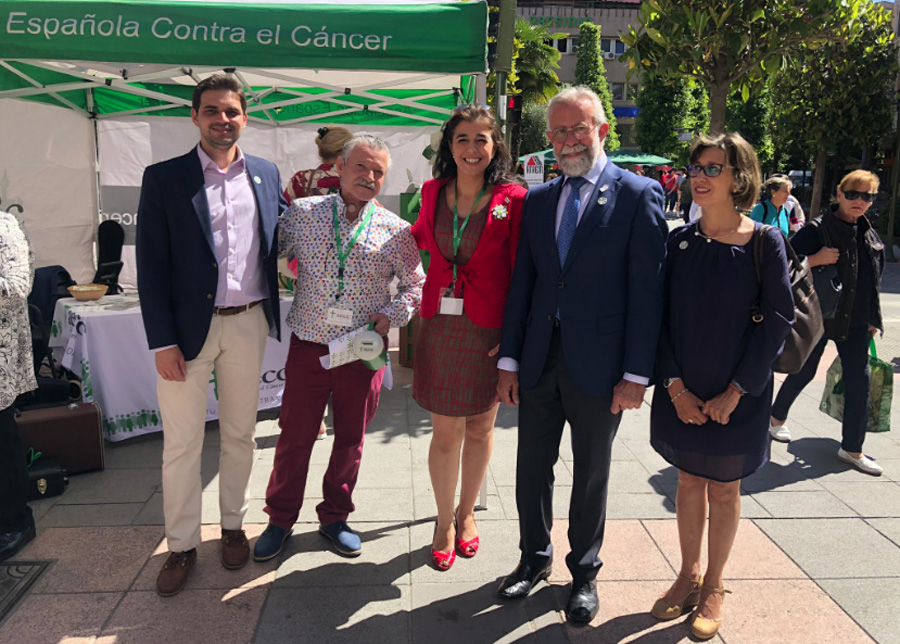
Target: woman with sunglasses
469,223
844,236
713,396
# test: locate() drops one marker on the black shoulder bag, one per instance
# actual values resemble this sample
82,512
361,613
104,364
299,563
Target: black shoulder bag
808,328
826,279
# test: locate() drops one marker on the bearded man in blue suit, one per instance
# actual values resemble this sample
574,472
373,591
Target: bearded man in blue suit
579,337
206,257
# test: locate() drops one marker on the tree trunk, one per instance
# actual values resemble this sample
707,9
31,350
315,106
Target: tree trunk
718,105
819,179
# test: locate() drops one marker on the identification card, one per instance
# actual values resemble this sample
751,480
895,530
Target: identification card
339,317
451,305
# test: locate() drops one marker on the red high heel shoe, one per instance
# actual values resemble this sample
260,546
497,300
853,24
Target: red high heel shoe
441,560
466,549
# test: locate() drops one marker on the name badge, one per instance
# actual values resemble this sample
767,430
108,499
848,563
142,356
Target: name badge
451,306
339,317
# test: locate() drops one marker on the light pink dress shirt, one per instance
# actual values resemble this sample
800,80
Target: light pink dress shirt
235,230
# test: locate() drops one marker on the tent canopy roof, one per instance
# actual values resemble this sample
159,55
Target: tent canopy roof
388,62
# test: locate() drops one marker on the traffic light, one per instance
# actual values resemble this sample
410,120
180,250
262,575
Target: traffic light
513,109
501,33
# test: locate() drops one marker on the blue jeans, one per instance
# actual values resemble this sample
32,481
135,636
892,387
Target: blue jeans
854,354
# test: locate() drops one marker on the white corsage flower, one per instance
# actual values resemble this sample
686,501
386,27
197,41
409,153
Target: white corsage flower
499,212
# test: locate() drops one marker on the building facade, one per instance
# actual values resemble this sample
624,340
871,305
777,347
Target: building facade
613,17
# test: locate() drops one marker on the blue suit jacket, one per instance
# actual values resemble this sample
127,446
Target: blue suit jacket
177,269
609,294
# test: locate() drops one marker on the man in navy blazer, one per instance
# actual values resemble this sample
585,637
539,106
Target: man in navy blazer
579,337
206,256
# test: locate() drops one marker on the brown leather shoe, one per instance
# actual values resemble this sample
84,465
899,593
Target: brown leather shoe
174,573
235,549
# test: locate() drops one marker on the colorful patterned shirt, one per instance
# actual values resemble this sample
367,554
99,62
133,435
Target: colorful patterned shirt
385,249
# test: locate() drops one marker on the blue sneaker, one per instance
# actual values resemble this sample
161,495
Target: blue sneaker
343,539
270,543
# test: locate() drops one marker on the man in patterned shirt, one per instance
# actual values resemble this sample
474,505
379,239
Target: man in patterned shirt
349,249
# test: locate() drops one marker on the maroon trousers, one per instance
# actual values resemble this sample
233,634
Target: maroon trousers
354,390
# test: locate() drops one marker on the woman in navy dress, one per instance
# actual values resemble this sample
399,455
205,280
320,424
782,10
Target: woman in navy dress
710,413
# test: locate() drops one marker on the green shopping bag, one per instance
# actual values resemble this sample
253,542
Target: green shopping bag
881,388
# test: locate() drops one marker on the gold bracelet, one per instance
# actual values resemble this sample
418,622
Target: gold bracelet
675,397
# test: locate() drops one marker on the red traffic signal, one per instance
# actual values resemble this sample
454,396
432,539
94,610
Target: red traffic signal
514,102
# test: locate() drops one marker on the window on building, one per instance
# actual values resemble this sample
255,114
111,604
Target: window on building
618,91
606,44
620,48
633,90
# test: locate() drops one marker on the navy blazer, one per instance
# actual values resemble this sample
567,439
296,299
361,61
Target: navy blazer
177,269
609,294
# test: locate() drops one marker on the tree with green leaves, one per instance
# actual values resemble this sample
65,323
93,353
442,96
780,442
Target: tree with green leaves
535,63
839,94
591,72
533,129
753,119
667,109
731,42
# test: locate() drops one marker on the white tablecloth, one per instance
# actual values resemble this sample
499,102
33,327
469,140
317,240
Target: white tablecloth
104,342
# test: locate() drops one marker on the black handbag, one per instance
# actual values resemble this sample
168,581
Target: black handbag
808,326
826,280
46,478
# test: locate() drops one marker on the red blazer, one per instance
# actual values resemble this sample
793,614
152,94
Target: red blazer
484,279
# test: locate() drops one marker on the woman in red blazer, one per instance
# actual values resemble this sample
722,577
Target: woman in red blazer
469,223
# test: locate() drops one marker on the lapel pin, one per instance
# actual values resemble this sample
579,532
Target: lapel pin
602,201
683,245
257,179
604,187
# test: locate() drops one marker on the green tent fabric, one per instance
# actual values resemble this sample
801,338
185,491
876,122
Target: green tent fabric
627,157
548,156
622,157
369,62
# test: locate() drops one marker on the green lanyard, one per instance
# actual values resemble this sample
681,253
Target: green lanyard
342,252
457,230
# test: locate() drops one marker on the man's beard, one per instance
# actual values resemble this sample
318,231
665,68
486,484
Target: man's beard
580,165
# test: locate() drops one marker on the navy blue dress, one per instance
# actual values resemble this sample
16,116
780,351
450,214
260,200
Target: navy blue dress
708,340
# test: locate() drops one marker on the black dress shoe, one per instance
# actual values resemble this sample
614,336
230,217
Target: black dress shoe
583,605
12,542
523,579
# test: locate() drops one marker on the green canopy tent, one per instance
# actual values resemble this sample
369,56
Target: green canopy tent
622,157
629,157
373,65
547,155
396,62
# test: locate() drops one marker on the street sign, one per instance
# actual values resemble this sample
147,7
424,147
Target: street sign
534,169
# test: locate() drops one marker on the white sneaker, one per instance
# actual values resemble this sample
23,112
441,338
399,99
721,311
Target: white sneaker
780,433
863,463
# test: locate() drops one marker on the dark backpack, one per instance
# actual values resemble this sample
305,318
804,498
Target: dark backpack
808,326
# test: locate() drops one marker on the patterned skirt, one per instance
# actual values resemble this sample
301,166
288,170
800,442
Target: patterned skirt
454,376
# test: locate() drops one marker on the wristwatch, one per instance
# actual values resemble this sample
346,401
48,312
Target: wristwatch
668,382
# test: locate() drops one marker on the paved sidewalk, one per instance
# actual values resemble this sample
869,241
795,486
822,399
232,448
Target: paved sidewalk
817,557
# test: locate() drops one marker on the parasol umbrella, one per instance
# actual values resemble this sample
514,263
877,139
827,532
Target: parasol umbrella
628,157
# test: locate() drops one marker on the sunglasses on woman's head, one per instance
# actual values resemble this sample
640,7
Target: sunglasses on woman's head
710,170
853,195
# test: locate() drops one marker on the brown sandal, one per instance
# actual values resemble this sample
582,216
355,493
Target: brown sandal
664,611
703,628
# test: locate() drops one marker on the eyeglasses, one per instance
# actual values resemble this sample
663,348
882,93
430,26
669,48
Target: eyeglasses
853,195
561,134
710,170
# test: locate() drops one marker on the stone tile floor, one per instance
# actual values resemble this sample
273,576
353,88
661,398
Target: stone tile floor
817,556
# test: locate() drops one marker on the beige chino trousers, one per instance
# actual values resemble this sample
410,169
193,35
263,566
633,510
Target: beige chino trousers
235,347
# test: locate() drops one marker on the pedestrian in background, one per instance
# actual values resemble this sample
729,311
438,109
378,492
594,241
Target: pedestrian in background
771,210
858,251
